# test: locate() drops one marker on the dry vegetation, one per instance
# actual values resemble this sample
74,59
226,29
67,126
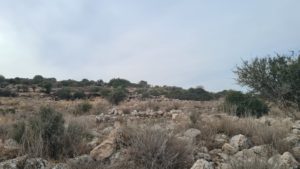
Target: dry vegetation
150,136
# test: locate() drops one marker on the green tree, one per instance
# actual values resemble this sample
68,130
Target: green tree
37,79
2,79
47,87
119,83
275,78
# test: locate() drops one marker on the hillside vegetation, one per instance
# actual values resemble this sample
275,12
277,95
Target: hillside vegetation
69,124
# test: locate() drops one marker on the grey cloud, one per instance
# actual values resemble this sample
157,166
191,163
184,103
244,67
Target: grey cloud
183,43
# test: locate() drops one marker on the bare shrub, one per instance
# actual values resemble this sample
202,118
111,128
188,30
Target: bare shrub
155,149
101,106
4,131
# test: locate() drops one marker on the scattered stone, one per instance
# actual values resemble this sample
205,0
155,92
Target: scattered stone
296,131
13,163
192,133
202,164
221,139
292,140
286,160
81,160
223,166
36,163
240,142
61,166
296,125
204,156
229,149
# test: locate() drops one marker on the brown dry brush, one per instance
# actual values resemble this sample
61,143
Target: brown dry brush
156,149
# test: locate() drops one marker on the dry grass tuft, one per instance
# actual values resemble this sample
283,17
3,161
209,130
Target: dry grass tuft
156,149
250,164
258,133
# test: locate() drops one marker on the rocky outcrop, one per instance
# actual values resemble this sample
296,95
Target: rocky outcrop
108,146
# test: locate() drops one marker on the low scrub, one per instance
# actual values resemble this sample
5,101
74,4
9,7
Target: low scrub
45,135
7,93
83,108
64,93
79,95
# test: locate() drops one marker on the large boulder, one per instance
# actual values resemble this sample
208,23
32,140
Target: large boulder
240,142
108,146
286,160
104,150
202,164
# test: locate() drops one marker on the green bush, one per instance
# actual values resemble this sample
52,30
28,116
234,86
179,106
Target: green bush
7,93
198,94
79,95
117,95
83,108
245,104
64,93
105,92
47,87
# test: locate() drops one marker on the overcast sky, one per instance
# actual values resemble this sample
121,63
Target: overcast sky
185,43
